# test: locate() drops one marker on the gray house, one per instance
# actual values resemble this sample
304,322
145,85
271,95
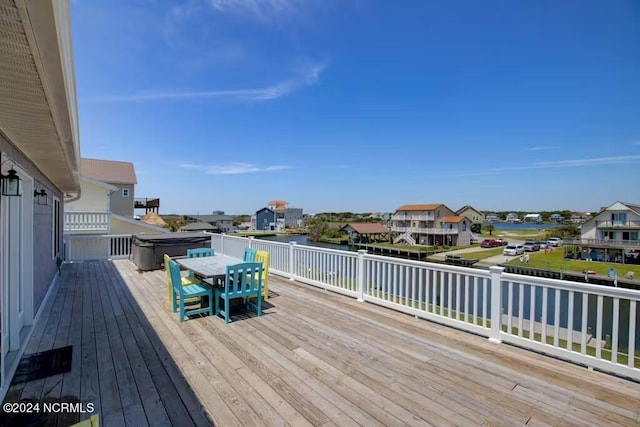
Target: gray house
39,164
293,217
265,219
218,220
119,174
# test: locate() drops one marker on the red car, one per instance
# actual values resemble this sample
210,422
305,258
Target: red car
490,243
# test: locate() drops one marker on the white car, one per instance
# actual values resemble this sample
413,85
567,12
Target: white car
512,250
555,241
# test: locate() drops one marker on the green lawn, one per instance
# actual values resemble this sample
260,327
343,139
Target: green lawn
482,254
554,261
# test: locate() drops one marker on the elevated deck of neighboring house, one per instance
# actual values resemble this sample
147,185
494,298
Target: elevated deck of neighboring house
149,205
313,358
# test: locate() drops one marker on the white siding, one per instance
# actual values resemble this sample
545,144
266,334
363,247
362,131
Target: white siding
589,230
93,199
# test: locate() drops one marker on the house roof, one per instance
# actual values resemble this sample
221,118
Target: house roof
211,218
195,226
452,219
465,207
532,215
109,171
264,209
367,227
430,207
634,207
138,223
98,183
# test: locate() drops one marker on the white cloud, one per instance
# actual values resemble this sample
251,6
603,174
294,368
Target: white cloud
635,143
541,148
188,165
584,162
262,10
241,168
307,76
574,163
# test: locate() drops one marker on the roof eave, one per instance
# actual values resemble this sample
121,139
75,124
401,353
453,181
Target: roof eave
47,26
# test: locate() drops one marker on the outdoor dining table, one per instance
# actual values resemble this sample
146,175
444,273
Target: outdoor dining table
209,268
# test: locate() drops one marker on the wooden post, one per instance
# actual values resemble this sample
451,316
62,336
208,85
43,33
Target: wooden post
251,241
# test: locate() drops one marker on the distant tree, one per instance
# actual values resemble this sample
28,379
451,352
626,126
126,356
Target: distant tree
490,229
239,219
566,231
316,226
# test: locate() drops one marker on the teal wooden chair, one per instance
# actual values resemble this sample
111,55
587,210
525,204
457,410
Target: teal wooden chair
249,255
189,292
200,252
242,281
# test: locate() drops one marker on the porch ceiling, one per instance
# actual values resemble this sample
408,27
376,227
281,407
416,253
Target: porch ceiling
37,88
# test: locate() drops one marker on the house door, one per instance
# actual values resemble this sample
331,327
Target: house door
16,263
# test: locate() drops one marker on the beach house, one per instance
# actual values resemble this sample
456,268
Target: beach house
430,224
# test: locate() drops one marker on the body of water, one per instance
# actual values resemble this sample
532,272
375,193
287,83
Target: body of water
608,312
522,225
303,240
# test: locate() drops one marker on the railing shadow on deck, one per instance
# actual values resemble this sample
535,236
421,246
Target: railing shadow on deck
196,410
137,339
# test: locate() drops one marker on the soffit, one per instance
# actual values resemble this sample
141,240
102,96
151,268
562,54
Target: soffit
25,114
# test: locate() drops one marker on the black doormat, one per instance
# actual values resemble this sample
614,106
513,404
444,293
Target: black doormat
44,364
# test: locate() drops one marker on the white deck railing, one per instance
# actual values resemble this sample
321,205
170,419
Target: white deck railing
84,222
89,248
589,324
593,325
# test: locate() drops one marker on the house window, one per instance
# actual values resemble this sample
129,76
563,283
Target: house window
125,192
619,217
56,215
608,235
464,226
633,235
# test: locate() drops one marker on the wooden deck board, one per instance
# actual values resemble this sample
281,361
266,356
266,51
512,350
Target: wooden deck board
313,358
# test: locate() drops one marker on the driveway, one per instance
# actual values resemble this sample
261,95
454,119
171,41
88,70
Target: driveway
492,260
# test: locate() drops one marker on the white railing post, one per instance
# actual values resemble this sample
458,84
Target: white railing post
496,303
222,243
360,274
292,267
251,241
67,248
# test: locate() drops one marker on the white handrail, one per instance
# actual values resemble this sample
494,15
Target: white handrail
570,320
588,324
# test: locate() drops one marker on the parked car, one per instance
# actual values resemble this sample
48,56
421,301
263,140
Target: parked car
544,244
502,242
512,250
555,241
531,246
489,243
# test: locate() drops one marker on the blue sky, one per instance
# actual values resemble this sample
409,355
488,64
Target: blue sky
363,105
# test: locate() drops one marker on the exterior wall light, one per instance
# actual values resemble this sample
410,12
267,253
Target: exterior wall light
11,184
41,197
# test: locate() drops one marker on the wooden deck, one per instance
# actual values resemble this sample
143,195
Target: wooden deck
313,358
